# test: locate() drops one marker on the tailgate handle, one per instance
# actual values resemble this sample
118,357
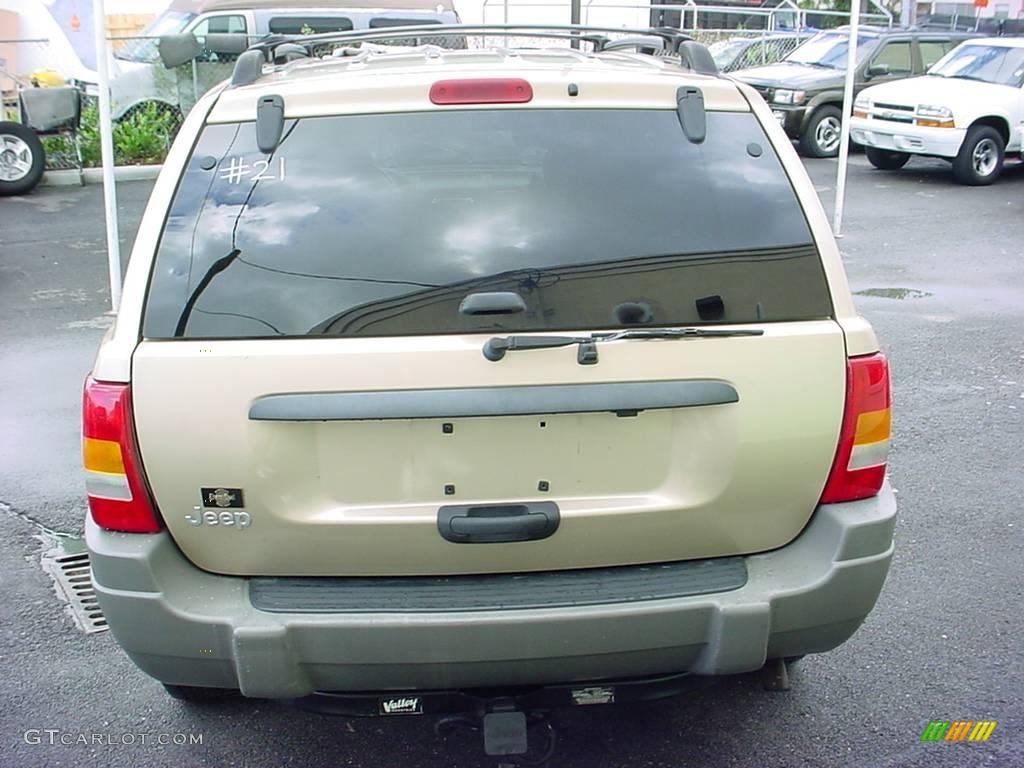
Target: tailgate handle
496,523
527,400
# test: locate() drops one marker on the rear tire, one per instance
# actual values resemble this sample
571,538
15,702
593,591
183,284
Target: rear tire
821,135
22,159
886,160
980,159
197,695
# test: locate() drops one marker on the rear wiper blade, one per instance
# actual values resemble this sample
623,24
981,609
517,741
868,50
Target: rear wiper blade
677,333
494,349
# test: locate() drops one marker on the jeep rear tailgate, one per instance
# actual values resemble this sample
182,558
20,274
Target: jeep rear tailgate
362,497
311,394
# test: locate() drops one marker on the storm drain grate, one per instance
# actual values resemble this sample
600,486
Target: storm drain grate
72,574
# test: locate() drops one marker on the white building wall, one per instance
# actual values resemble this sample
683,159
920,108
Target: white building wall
613,13
1004,9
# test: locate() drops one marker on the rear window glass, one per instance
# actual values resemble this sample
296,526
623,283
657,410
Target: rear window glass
390,22
380,225
309,25
442,41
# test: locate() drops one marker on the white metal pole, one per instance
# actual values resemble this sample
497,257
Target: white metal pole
99,22
844,132
907,12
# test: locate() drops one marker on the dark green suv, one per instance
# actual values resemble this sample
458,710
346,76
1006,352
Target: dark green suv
805,90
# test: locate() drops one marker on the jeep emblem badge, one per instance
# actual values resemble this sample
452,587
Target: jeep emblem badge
238,519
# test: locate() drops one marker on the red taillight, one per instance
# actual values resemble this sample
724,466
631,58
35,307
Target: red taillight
859,467
506,90
118,496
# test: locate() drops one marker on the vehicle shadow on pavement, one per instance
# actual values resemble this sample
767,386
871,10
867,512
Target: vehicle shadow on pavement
935,172
712,725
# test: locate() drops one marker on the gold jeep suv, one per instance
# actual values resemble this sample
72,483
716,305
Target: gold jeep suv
506,367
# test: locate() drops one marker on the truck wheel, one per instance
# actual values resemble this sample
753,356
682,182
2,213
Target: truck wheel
885,160
197,695
821,135
21,159
980,159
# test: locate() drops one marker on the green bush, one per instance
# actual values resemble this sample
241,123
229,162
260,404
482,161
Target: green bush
142,136
89,135
145,134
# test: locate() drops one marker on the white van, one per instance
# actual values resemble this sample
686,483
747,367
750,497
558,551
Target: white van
138,77
41,43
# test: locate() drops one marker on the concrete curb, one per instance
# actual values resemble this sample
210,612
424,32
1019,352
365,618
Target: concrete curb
95,175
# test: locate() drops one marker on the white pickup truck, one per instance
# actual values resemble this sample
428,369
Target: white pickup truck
969,108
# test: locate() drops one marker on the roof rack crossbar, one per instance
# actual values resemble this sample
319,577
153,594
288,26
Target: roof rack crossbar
480,30
639,43
673,41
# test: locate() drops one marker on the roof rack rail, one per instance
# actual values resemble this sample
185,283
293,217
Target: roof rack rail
693,55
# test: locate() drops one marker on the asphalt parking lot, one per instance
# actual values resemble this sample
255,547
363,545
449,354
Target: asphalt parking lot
939,271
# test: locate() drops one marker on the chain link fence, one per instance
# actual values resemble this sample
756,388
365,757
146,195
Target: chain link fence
739,36
148,100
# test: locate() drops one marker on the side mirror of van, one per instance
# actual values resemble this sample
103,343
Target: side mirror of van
176,50
877,70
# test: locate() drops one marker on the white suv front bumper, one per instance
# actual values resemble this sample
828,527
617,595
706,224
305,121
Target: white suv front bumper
903,137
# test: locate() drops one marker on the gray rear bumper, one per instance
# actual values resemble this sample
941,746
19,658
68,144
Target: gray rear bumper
189,627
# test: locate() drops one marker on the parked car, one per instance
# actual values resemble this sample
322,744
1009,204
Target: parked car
22,159
805,90
745,52
42,112
138,77
969,109
435,374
